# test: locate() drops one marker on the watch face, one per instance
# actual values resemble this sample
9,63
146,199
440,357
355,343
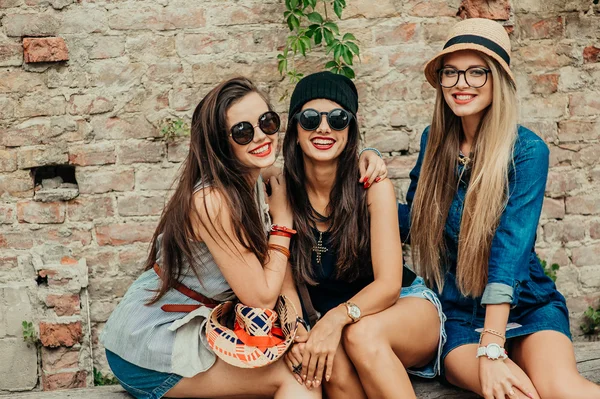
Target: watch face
354,312
493,351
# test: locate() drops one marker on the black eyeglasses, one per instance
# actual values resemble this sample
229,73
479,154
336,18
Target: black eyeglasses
310,119
243,132
475,77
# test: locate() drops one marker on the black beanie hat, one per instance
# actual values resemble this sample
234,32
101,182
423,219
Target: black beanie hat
326,85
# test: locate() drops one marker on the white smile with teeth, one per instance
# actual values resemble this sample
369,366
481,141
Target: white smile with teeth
464,96
323,142
260,149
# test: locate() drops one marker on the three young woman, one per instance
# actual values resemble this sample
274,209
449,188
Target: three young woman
474,203
378,321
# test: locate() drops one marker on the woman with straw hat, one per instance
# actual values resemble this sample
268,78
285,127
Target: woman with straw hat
474,203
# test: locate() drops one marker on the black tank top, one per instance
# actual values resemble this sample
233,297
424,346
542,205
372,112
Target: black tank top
330,291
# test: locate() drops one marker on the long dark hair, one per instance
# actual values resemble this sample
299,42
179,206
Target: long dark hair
210,160
350,234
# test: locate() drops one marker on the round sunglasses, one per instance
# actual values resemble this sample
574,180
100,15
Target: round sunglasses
243,132
310,119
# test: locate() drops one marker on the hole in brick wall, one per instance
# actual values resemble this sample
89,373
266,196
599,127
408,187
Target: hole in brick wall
41,280
54,183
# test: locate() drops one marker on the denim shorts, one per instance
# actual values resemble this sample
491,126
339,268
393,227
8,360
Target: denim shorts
418,289
141,383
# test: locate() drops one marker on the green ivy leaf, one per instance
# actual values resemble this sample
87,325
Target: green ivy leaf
349,36
333,27
337,51
353,47
328,35
347,56
348,72
318,37
315,17
330,64
294,3
337,8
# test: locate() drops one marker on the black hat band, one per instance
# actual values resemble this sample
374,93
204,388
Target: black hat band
482,41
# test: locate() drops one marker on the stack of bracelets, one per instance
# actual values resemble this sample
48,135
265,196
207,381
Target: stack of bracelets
283,232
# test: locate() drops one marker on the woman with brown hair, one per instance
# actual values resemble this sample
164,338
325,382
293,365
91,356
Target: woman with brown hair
474,203
378,321
212,244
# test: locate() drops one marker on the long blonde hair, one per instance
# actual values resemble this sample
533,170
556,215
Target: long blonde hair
487,192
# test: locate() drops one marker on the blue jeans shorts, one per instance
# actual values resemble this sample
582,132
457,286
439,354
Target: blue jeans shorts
141,383
418,289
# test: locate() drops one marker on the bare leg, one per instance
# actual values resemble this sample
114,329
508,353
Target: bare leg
223,380
549,360
382,346
344,382
462,370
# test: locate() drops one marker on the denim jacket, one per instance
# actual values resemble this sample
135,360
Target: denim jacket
515,275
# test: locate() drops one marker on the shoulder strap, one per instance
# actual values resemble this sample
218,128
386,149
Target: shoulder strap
312,314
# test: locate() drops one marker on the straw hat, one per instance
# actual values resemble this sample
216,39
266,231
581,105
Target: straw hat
480,34
257,337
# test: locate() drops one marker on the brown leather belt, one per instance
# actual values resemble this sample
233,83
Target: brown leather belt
204,301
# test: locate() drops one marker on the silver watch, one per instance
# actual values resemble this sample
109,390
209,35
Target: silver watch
492,351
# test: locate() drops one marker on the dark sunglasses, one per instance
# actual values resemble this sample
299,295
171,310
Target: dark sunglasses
310,119
243,132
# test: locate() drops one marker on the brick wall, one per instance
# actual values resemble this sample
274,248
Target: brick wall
86,83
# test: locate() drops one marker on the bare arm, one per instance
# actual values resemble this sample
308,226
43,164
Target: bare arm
253,284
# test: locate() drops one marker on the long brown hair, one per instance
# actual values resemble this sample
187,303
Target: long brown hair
487,192
211,161
347,207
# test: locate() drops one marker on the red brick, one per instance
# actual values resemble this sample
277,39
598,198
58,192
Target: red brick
54,335
7,213
52,382
104,180
595,229
573,131
564,231
92,154
8,262
399,167
141,151
16,240
31,157
591,54
158,17
17,184
132,260
394,35
550,56
562,182
90,208
553,208
154,178
40,212
544,84
178,150
31,132
583,205
67,260
125,233
586,256
46,49
547,28
67,236
122,127
55,359
429,8
8,161
64,305
139,205
88,105
497,9
584,104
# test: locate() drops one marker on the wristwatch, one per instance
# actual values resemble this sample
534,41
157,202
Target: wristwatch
353,311
492,351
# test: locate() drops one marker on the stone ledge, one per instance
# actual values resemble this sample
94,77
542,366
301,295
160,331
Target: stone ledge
587,353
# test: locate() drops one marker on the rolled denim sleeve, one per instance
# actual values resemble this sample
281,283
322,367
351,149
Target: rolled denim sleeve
514,239
404,209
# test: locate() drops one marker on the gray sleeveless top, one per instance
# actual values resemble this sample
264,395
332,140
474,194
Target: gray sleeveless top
164,341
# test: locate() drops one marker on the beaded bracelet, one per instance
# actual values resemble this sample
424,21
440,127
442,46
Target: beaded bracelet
281,249
370,149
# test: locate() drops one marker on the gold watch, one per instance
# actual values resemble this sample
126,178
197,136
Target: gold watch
353,311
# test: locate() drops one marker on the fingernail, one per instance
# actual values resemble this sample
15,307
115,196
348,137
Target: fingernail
362,179
309,384
377,180
304,377
327,377
530,395
367,185
317,383
299,380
